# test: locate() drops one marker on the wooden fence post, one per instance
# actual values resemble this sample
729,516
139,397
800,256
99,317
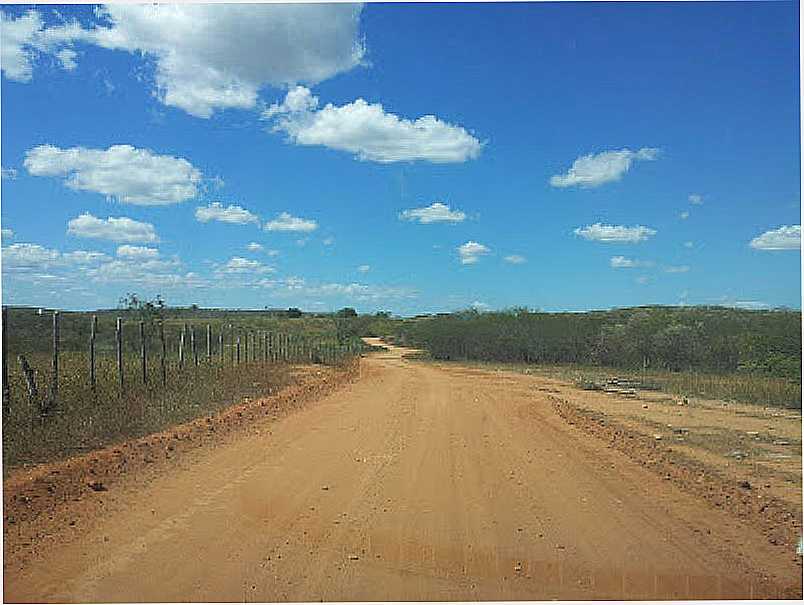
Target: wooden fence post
54,378
209,343
220,344
162,358
6,386
93,329
142,353
193,345
245,347
182,343
232,343
238,348
30,381
118,335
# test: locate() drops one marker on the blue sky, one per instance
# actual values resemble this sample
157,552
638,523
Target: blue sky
578,156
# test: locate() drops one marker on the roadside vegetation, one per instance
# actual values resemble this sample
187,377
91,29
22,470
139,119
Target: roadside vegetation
82,417
751,356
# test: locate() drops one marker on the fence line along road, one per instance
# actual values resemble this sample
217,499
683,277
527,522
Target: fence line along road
246,346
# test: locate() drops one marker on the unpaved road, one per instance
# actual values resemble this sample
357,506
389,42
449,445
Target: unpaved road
413,483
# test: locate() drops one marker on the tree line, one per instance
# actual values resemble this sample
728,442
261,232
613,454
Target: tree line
716,339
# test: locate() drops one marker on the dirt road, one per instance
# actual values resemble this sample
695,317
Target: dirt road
413,483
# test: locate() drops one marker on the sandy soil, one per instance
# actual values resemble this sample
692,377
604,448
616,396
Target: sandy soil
416,482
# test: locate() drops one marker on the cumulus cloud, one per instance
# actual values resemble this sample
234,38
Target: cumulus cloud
615,233
295,287
84,257
364,268
254,247
34,256
207,57
7,233
116,229
437,212
594,170
238,264
29,256
369,132
695,198
230,214
689,244
621,262
147,273
470,252
286,222
137,252
8,174
784,238
24,38
684,215
515,259
122,172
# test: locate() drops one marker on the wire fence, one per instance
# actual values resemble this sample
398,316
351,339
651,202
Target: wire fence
149,353
76,382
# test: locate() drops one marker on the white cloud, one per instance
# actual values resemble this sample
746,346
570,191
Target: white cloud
297,286
677,269
328,241
364,268
207,57
285,222
695,198
84,257
684,215
66,57
470,252
369,132
689,244
7,233
615,233
15,59
231,214
642,280
515,259
437,212
621,262
137,252
255,247
784,238
238,264
272,252
148,273
29,256
116,229
297,99
122,172
33,256
8,173
751,305
595,169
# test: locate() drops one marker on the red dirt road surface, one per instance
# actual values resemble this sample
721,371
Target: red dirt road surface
413,482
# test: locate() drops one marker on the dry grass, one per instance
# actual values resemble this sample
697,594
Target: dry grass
85,419
751,388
